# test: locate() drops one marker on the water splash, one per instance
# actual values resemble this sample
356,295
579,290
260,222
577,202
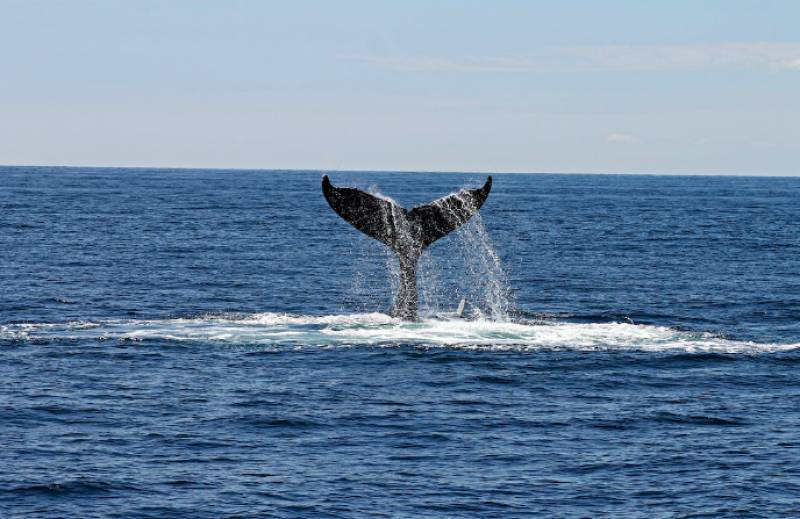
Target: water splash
488,289
474,271
462,265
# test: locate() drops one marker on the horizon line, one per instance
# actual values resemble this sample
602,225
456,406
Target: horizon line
403,171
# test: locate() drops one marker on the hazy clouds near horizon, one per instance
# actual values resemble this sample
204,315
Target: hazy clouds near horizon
669,87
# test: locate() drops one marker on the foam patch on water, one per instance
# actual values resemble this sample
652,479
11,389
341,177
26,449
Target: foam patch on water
375,329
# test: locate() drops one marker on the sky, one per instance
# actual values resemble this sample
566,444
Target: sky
670,87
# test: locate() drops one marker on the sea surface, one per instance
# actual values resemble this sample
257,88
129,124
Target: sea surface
209,343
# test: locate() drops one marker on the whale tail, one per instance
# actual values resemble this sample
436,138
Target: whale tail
407,233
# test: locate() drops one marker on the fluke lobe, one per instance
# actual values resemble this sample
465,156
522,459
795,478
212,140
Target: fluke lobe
407,233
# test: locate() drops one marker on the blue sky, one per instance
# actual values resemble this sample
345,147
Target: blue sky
681,87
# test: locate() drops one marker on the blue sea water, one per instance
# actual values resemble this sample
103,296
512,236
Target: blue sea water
204,343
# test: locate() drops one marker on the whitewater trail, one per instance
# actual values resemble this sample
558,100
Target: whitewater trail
375,329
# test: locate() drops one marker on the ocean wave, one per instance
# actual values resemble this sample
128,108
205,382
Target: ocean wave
376,329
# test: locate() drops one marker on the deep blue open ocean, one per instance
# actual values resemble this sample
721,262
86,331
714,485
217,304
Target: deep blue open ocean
208,343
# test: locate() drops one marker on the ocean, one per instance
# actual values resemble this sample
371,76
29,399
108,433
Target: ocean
213,343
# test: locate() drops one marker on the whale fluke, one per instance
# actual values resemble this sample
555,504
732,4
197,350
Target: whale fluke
407,233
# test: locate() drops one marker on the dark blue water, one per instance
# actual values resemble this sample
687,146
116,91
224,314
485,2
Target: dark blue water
179,343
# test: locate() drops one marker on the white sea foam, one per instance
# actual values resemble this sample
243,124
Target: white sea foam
275,329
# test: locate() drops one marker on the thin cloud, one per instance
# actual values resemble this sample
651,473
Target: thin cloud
621,138
438,64
731,56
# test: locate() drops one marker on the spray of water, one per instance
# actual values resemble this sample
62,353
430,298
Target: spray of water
463,265
466,266
486,283
372,288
